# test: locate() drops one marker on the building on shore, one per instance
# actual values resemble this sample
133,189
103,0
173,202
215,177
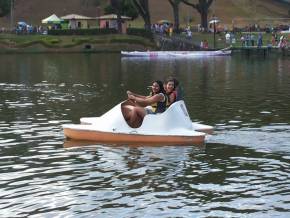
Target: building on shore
110,21
76,21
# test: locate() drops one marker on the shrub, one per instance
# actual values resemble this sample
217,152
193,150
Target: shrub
52,41
132,41
140,32
98,31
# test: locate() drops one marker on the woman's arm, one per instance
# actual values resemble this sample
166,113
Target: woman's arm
147,101
134,94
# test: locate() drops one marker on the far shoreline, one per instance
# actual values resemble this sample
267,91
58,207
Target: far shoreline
109,43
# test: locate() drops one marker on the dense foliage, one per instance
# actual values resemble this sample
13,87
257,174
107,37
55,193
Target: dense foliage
5,7
127,9
140,32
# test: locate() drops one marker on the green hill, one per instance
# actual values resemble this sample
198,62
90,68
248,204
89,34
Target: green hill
242,11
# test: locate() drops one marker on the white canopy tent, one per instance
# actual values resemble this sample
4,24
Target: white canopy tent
52,19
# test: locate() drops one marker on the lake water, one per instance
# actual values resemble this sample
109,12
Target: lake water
242,171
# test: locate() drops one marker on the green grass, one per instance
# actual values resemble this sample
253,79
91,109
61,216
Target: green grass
20,41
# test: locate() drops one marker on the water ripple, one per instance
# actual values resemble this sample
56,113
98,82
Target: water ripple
243,171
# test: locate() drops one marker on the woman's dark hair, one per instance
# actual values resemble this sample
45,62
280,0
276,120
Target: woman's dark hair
172,79
160,84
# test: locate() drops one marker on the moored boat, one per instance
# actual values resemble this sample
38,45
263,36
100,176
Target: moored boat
175,54
173,127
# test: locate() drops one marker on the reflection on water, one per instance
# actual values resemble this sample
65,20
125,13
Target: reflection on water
267,138
242,171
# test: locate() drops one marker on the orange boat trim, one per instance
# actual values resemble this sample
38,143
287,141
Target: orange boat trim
117,138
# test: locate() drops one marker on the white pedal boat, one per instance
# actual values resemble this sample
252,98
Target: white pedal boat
175,54
173,127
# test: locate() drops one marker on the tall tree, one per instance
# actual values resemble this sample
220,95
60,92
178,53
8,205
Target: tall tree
97,3
116,5
5,7
175,7
202,7
143,9
127,9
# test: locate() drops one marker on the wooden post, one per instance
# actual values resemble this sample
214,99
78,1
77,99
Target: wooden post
214,30
11,14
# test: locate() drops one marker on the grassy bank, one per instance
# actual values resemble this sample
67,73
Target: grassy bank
11,43
37,43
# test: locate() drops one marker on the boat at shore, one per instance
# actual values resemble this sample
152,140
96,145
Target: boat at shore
172,127
175,54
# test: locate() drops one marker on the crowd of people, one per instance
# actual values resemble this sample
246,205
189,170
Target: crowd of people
204,44
252,39
246,39
281,42
22,28
162,95
162,28
29,29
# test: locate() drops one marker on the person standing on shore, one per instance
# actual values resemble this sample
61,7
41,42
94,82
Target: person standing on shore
260,40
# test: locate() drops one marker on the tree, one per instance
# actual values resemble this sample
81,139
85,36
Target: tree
127,9
202,7
116,5
175,7
97,3
5,7
143,9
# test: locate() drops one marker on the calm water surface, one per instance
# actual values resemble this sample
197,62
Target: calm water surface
243,171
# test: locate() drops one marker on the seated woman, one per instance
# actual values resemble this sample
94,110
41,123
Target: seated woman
170,88
136,112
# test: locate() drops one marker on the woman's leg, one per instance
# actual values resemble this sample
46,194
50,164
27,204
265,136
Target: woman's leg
127,110
133,115
137,115
141,112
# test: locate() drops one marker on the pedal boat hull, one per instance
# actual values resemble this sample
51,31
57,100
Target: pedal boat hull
131,138
173,127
